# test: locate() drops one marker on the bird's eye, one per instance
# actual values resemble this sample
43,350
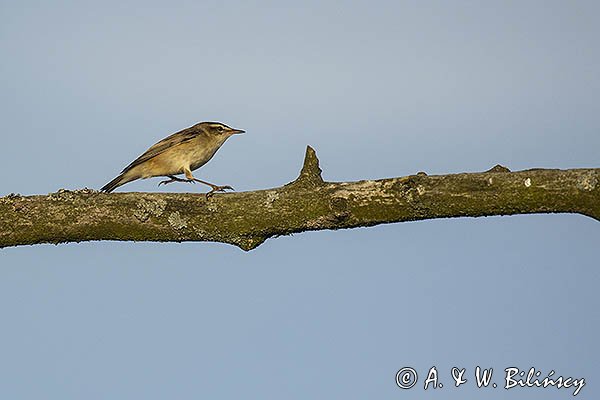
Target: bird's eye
220,129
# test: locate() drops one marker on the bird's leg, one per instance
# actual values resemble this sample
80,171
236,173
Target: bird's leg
174,179
214,188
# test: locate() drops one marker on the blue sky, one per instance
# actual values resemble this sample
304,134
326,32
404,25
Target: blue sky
378,89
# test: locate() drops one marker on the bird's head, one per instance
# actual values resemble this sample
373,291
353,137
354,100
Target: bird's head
217,129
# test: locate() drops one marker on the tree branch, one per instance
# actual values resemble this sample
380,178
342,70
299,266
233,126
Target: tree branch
247,219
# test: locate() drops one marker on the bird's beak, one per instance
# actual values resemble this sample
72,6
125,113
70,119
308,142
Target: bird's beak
237,131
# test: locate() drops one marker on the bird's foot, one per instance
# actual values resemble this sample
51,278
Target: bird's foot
166,182
216,188
175,179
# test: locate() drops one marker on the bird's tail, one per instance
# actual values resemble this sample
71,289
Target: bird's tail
118,181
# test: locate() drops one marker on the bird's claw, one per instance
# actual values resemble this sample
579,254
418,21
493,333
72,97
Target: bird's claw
175,180
218,189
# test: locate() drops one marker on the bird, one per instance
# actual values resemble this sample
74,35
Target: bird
180,153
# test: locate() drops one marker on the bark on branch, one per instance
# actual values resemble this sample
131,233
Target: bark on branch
247,219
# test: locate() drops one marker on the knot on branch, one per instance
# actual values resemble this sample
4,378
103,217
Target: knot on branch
311,172
498,168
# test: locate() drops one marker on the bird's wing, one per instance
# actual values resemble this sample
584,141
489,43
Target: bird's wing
168,142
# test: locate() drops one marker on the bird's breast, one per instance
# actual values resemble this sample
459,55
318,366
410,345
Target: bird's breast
199,153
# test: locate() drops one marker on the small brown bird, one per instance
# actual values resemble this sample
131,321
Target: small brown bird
180,153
